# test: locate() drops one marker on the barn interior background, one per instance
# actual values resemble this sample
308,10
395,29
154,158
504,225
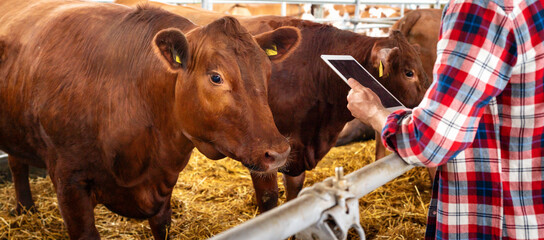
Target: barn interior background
213,196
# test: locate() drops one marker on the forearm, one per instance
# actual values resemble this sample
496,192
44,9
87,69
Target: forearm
378,120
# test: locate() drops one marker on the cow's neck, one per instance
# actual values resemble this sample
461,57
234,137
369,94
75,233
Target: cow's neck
172,146
361,49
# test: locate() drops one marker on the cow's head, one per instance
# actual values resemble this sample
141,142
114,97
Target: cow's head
398,65
221,91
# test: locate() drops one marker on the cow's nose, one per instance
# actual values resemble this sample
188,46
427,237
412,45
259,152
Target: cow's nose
276,159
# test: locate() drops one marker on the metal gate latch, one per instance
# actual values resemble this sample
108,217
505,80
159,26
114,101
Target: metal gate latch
338,220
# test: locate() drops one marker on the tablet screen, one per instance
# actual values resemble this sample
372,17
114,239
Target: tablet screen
351,69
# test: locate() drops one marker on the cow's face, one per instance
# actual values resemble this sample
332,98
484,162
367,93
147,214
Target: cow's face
221,96
399,67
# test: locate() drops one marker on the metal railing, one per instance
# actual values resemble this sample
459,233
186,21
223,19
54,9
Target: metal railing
318,203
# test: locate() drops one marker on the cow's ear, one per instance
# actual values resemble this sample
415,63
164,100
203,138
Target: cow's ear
279,43
379,60
172,48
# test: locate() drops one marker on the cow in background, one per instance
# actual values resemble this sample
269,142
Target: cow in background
112,100
307,98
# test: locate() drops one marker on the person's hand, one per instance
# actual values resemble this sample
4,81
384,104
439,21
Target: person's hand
366,106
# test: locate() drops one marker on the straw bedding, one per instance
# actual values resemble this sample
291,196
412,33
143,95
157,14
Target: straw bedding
212,196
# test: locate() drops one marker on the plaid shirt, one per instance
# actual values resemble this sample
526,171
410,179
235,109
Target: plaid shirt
482,123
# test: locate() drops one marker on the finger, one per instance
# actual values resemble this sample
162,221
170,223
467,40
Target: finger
367,92
354,84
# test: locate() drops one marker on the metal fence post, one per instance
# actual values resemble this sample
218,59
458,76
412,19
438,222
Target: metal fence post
207,4
357,14
318,11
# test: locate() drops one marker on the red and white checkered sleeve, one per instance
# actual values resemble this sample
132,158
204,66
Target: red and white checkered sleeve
476,53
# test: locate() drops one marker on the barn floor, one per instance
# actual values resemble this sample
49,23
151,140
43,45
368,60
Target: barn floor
212,196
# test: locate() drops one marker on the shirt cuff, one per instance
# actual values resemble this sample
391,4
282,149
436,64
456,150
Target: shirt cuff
392,128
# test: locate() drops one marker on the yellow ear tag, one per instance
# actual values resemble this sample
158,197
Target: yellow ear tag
380,69
177,59
272,52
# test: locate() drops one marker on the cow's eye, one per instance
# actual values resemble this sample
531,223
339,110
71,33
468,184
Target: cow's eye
409,73
216,78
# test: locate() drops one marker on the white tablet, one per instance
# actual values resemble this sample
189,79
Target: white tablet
347,67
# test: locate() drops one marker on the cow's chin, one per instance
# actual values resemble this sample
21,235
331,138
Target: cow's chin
262,171
209,150
259,168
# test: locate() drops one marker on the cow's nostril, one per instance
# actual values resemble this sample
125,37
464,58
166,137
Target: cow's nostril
271,155
273,159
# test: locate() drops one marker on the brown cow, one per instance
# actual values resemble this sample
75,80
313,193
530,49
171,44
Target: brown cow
308,100
113,99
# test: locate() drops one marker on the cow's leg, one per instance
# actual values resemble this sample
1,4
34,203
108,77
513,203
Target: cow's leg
19,173
266,190
160,223
76,207
380,148
293,185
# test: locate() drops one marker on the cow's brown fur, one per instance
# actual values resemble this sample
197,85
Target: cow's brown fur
94,93
308,100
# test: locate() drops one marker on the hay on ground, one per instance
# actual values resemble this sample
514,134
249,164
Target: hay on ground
213,196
